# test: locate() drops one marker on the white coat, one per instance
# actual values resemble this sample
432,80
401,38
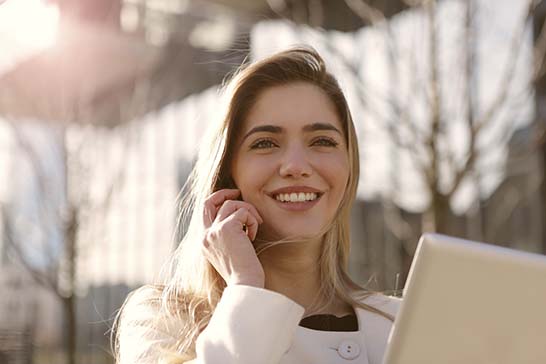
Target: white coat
257,326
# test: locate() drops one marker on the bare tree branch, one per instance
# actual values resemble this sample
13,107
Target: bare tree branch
477,126
365,11
433,173
39,277
504,88
469,97
49,213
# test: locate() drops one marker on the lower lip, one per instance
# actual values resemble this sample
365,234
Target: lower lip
297,206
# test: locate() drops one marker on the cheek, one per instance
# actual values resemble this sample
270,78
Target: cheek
250,175
335,170
339,178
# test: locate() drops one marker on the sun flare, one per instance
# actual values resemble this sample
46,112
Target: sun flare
30,23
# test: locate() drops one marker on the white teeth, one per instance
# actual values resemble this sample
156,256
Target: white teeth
296,197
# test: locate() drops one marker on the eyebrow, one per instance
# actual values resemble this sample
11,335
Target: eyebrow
277,129
321,126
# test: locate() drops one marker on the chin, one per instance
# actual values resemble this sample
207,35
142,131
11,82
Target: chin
276,233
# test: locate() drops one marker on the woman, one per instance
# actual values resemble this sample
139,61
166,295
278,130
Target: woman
260,276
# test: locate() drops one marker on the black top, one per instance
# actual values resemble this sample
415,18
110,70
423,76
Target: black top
327,322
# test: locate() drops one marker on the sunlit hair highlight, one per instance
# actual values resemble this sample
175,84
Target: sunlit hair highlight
192,288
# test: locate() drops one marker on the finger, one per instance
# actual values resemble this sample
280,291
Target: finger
252,228
229,207
245,217
215,201
217,198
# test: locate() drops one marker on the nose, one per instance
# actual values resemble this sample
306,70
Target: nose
295,163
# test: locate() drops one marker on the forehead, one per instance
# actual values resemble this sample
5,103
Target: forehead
292,106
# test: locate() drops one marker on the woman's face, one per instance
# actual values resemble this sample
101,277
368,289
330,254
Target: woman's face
291,160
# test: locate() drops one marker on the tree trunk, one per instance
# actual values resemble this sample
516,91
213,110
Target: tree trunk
70,299
436,218
71,328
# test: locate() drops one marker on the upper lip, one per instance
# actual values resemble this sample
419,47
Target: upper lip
295,189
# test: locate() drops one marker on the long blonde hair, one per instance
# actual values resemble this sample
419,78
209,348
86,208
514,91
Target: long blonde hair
160,323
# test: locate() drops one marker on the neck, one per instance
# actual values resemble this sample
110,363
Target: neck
292,269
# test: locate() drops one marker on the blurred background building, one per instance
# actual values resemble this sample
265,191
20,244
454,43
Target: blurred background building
103,104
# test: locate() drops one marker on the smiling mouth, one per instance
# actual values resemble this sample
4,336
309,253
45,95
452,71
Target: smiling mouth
297,197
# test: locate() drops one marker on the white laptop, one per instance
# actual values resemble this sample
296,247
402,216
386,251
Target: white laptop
471,303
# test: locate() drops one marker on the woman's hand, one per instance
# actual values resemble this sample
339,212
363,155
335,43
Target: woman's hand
230,228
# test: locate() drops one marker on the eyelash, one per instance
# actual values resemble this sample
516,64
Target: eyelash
324,142
329,142
257,143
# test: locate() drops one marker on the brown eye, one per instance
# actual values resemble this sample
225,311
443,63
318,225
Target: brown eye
263,144
324,142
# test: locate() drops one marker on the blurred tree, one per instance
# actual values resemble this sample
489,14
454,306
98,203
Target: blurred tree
436,163
78,206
